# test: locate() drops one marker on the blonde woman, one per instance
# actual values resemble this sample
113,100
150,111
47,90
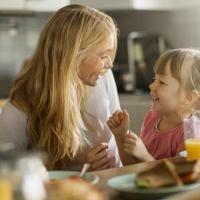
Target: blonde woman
57,104
175,93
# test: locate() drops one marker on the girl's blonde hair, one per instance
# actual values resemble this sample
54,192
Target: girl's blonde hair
48,88
184,64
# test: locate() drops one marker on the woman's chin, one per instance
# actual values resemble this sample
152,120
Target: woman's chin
91,83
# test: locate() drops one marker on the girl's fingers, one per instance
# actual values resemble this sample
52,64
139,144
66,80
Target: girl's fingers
129,140
116,117
126,115
128,146
121,116
112,123
132,135
115,121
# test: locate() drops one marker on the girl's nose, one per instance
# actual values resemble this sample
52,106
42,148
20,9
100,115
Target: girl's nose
152,86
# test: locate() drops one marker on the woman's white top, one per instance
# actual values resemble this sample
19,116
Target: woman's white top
102,103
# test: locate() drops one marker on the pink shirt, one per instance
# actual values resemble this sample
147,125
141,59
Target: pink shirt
161,144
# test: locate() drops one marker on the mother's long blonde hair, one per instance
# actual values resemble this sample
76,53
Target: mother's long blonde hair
48,88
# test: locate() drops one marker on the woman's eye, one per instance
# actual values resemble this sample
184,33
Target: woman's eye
161,82
104,57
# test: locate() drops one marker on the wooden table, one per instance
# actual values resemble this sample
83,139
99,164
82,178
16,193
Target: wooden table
105,175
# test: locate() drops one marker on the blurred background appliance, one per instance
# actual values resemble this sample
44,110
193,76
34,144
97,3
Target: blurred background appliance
143,51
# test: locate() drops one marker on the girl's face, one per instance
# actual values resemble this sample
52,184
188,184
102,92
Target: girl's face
167,93
97,63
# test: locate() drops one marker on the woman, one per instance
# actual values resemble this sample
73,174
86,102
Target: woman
51,107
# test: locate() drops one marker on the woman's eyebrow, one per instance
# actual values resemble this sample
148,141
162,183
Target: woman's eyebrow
106,51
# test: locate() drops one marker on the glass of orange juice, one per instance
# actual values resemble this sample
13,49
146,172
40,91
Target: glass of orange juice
192,137
5,189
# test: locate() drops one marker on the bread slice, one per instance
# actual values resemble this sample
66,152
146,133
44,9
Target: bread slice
168,173
157,176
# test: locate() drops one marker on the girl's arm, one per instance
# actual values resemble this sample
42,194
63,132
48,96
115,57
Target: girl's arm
126,158
134,146
119,125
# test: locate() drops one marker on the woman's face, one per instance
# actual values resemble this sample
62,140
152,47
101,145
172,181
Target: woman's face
97,62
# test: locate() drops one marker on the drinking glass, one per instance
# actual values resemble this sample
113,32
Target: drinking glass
192,136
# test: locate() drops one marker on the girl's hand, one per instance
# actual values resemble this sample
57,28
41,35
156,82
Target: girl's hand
134,146
119,123
98,157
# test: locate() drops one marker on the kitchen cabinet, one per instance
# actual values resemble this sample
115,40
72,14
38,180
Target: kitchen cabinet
138,4
137,106
11,4
33,5
105,4
45,5
164,4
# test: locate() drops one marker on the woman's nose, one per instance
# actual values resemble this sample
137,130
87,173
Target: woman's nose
109,63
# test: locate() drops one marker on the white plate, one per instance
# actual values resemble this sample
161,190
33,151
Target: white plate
125,185
88,177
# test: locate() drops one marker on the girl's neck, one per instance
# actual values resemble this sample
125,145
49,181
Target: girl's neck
169,121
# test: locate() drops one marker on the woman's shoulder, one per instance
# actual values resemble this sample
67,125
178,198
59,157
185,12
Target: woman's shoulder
9,109
11,114
13,126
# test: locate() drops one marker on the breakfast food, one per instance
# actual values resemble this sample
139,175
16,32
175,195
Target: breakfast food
73,189
169,173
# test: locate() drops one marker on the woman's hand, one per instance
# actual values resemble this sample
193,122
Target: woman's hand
119,123
134,146
98,157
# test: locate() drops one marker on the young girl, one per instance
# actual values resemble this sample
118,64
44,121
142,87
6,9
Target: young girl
174,91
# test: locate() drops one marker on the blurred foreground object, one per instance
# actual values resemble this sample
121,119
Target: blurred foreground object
22,175
192,135
6,192
2,103
73,189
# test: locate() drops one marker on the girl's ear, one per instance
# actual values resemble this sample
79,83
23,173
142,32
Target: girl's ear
196,104
192,97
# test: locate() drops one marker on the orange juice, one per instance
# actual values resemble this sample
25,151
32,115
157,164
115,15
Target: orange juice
193,149
5,190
